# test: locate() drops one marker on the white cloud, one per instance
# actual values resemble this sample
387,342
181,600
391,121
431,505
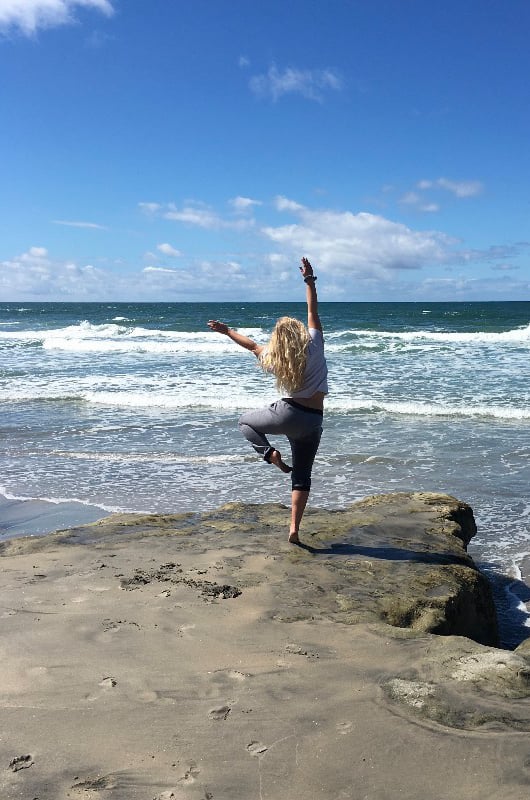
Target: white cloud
461,188
242,205
168,250
201,215
34,274
200,279
160,269
29,15
73,224
198,215
35,253
243,61
149,208
411,199
356,255
458,188
284,204
357,245
492,253
415,200
311,84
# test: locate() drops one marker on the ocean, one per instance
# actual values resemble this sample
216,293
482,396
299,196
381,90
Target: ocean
134,406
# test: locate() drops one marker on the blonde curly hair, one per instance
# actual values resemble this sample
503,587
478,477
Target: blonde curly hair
286,354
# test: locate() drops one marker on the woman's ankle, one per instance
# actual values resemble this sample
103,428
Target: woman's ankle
276,459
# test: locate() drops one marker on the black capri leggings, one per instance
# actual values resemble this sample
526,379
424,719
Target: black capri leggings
301,425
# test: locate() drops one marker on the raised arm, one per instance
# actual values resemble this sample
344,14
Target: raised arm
313,320
238,338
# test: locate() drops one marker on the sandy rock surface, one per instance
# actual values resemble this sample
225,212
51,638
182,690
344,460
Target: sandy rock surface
202,657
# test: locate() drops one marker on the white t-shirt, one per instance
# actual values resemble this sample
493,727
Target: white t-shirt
316,369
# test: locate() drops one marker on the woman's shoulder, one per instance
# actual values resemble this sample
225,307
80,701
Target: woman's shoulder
316,335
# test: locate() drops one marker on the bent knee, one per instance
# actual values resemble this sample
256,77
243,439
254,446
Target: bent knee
242,421
301,479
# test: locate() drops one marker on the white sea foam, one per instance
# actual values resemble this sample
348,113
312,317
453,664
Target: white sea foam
139,346
205,392
175,400
511,589
415,408
56,500
150,457
86,337
112,338
519,335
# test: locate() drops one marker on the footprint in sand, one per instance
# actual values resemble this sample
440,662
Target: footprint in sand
184,630
220,712
93,785
191,774
256,749
107,683
21,762
222,683
112,627
295,649
344,727
235,675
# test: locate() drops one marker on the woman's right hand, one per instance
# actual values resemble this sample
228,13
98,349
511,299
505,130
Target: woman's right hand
218,327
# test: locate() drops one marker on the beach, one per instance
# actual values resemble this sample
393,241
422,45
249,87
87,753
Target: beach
201,656
133,407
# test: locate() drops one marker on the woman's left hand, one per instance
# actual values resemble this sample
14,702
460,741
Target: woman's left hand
306,269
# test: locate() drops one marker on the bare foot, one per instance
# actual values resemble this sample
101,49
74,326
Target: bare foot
293,538
276,459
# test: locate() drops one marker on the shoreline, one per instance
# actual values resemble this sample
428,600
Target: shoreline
37,517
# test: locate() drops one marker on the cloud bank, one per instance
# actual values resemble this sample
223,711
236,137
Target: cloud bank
254,249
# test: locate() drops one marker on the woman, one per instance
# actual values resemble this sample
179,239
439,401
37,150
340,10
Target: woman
295,355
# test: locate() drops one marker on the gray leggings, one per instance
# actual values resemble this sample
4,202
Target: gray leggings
302,426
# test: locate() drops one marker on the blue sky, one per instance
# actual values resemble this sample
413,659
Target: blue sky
196,149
